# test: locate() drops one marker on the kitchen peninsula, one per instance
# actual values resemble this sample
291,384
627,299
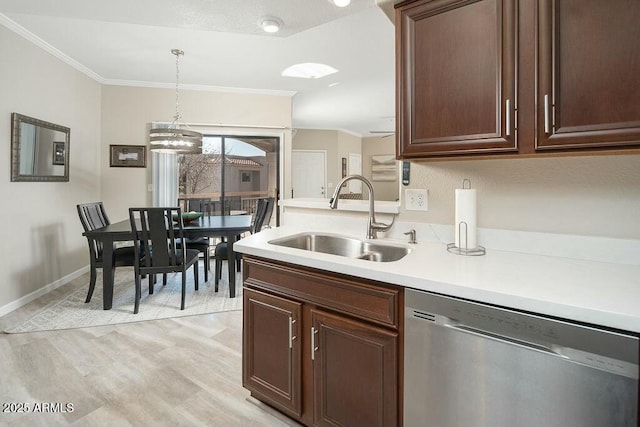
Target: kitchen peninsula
587,291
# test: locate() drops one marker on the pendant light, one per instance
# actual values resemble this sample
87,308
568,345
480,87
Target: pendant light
176,138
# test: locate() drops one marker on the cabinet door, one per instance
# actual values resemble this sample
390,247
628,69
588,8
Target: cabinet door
354,372
456,64
271,349
589,73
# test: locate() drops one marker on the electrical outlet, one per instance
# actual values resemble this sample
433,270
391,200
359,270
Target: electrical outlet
416,200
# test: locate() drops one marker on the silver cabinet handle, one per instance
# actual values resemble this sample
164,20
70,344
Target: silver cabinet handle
313,343
291,336
508,117
546,114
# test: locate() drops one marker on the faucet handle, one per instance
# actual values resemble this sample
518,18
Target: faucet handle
412,236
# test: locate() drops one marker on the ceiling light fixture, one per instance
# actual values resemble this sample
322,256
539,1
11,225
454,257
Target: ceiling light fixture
270,24
175,138
341,3
309,70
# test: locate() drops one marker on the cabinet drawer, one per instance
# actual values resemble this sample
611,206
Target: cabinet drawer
376,302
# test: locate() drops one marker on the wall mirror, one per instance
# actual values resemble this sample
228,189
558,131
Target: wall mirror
39,150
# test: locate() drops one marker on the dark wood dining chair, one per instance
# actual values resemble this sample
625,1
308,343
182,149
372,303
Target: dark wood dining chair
93,216
196,204
157,250
220,252
201,244
267,215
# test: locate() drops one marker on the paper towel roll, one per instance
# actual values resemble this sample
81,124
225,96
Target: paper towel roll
466,212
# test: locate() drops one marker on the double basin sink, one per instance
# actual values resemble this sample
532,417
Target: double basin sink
343,246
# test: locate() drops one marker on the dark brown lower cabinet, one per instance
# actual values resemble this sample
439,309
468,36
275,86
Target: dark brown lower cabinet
321,347
271,360
353,372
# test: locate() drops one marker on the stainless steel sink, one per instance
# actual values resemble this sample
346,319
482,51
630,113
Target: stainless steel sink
343,246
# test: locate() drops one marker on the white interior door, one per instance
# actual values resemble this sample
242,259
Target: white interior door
309,173
355,168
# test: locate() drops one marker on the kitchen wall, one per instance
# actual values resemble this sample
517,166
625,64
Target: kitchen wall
128,111
41,233
336,143
585,195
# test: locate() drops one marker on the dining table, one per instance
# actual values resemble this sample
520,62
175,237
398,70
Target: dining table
228,226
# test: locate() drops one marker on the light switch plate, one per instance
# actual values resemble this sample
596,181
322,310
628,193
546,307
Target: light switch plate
416,200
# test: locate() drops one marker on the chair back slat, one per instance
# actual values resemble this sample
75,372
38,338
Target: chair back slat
269,211
158,236
260,215
93,216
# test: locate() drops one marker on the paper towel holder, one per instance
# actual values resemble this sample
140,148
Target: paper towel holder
477,251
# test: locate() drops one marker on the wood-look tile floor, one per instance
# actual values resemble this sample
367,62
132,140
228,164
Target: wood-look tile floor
172,372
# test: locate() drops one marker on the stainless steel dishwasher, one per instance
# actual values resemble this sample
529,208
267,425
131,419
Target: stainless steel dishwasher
474,365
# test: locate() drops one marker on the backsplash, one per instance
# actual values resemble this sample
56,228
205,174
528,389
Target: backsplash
585,195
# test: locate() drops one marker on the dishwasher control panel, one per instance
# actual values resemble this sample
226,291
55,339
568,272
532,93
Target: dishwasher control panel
599,348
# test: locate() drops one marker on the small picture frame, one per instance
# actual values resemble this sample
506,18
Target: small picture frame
58,153
128,156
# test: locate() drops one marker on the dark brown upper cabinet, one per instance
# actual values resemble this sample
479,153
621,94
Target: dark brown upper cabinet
589,68
456,77
517,77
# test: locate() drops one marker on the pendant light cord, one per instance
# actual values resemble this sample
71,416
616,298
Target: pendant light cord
177,53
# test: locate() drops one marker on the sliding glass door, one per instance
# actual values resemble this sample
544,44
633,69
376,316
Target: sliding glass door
231,174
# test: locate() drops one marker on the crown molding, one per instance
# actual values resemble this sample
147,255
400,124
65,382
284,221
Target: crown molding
343,130
28,35
206,88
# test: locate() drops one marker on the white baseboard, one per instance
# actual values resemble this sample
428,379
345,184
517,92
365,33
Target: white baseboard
13,305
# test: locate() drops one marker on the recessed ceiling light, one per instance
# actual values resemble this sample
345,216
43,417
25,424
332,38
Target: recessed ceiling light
334,84
341,3
309,70
270,24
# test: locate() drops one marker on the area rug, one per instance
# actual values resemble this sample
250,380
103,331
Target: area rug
70,310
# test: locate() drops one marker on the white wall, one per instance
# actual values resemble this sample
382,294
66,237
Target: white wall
336,143
42,239
586,195
128,111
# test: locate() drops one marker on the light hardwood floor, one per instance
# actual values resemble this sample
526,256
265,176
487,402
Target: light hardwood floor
173,372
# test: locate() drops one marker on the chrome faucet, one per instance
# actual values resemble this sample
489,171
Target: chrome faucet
373,226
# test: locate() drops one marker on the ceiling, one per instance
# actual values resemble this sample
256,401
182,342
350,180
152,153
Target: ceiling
129,42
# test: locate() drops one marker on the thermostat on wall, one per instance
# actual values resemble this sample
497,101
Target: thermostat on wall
406,167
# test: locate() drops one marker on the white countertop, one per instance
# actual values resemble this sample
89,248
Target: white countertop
600,293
